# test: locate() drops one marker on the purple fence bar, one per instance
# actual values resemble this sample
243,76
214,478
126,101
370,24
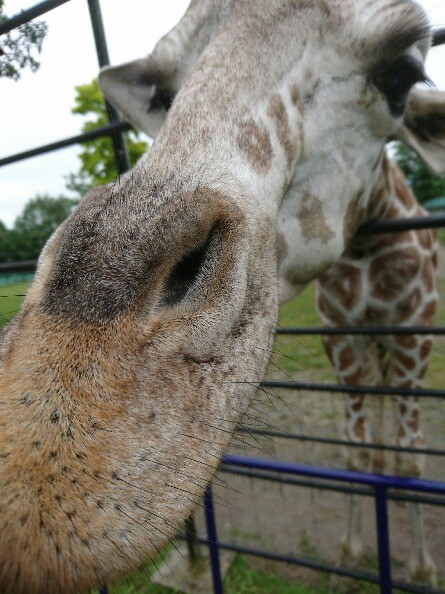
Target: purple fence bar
213,542
380,484
344,476
383,547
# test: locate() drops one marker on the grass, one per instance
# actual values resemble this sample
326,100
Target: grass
243,580
11,297
301,353
240,579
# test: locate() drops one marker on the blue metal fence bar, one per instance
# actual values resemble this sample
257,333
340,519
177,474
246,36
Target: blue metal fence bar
379,483
383,547
342,476
212,541
331,486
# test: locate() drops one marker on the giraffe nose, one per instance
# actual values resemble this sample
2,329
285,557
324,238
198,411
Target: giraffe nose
191,268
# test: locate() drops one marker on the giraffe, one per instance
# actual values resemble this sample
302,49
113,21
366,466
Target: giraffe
154,304
387,280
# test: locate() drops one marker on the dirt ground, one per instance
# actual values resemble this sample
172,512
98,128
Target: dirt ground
308,522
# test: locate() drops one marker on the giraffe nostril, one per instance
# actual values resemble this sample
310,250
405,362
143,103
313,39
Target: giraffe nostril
188,270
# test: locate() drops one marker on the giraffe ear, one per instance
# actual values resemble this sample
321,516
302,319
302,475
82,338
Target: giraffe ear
141,91
423,127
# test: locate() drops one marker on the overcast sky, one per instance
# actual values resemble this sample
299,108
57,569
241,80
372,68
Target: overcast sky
36,110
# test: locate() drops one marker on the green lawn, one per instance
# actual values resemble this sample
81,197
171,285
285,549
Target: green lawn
239,580
11,297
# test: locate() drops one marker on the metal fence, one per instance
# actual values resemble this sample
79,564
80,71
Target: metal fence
381,488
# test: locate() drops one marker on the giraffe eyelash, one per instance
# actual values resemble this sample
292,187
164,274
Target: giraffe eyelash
396,79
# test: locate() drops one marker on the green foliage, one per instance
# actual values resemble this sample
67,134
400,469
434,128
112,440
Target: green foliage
243,580
97,157
40,217
17,47
425,185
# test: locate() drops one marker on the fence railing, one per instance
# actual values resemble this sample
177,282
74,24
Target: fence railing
377,486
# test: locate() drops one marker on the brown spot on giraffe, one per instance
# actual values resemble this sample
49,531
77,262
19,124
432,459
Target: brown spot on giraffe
428,276
394,212
346,357
391,239
282,247
402,190
386,173
294,95
359,429
348,291
253,140
331,341
277,112
401,433
422,371
413,423
357,403
428,312
426,348
353,378
435,260
407,362
406,342
390,273
426,238
405,307
333,314
312,220
402,409
354,217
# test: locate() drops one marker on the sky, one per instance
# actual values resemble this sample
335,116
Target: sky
37,109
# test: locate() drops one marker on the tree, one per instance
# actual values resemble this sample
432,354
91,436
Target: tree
17,47
424,184
39,218
97,157
5,243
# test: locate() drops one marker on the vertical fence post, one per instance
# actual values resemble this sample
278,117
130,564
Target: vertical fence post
213,541
191,538
381,510
120,150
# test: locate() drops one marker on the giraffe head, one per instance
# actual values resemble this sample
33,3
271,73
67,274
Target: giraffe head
150,318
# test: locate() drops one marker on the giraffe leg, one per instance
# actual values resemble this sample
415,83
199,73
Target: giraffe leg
356,430
356,364
408,366
420,564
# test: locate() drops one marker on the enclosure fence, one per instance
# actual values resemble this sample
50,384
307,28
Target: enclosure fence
381,488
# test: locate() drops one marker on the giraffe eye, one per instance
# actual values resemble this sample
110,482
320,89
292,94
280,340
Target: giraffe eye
396,79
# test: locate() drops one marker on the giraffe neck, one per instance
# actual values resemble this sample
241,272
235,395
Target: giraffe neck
391,196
